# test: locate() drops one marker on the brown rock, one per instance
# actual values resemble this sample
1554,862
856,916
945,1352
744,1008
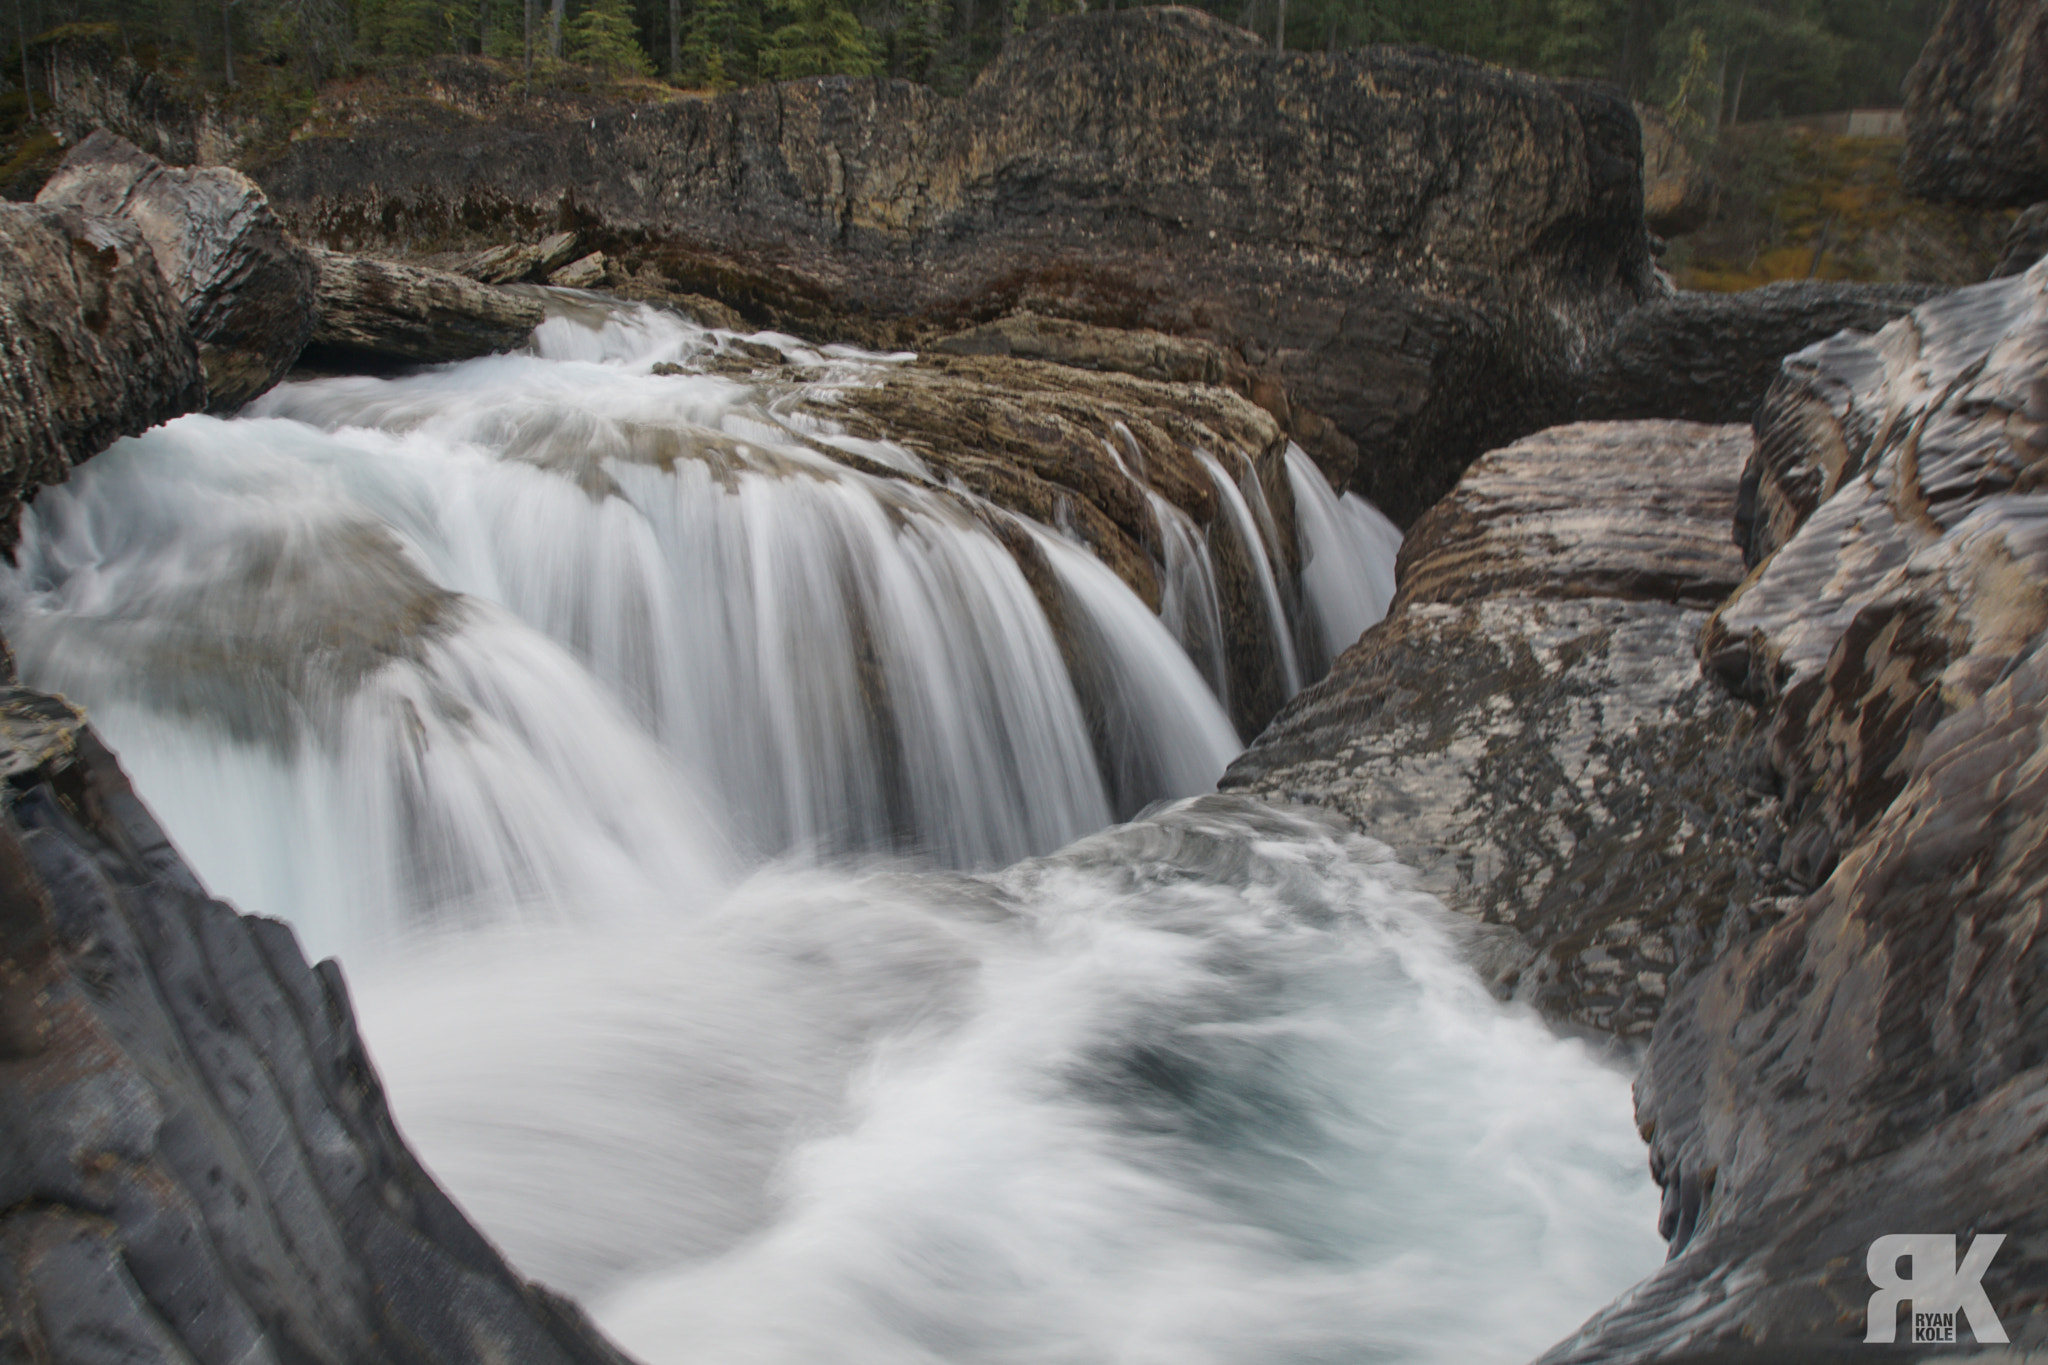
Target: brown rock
1086,451
1146,354
1678,190
372,309
246,286
93,346
1635,510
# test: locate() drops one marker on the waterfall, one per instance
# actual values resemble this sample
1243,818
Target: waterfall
709,807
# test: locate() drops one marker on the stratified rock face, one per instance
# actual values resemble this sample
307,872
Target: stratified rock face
1105,455
2026,242
199,1165
93,346
1877,1062
1708,357
370,309
1977,106
1634,510
1550,759
1416,247
247,288
1891,493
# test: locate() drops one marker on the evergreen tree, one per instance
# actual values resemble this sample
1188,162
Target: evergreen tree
817,38
605,36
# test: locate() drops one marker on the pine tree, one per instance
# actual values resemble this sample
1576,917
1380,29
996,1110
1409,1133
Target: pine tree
604,36
818,37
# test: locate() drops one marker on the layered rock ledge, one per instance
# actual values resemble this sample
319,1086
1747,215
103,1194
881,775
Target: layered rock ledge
1415,247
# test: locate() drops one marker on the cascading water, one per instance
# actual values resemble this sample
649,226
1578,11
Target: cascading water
550,691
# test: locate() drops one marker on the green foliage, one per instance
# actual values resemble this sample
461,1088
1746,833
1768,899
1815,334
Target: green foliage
604,36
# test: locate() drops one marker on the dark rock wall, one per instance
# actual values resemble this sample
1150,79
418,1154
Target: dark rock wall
1977,106
1418,247
196,1161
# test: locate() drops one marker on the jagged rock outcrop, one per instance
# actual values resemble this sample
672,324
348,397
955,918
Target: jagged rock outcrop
246,286
1528,728
371,311
1414,247
198,1162
1977,106
1706,357
1874,1062
1096,453
93,346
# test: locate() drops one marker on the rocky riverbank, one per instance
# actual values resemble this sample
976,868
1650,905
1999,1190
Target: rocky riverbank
1801,881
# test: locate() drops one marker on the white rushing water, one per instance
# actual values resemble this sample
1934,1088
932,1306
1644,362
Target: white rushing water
587,713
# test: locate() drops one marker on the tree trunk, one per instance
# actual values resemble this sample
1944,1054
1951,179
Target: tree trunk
558,18
1280,28
675,39
227,41
1720,88
28,89
1735,105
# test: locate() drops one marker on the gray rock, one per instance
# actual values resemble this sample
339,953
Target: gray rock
381,310
1706,357
585,272
93,346
2026,242
1549,758
196,1161
1148,355
1977,106
1873,1063
246,286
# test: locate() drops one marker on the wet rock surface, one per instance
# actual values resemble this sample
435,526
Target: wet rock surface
93,346
1414,247
1706,357
200,1165
1549,759
1977,106
1873,1063
246,286
1095,453
371,311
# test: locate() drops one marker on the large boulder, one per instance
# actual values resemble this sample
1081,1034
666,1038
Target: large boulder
373,311
1977,106
1413,246
1528,728
200,1166
93,346
246,286
1873,1063
1709,357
